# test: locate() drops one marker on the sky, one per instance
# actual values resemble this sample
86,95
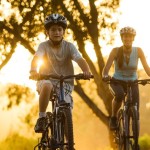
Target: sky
135,13
17,70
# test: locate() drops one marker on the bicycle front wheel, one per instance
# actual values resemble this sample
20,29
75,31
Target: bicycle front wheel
65,130
133,129
120,133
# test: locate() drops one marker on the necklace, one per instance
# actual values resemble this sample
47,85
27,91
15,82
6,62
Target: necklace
127,52
127,58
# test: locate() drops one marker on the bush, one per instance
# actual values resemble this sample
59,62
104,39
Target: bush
17,142
144,142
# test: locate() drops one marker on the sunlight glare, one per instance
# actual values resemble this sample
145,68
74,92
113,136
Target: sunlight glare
85,2
18,68
97,3
9,11
90,50
39,64
7,7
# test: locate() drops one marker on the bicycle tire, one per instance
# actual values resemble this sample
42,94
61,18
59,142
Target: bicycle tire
65,126
120,133
51,131
43,148
133,129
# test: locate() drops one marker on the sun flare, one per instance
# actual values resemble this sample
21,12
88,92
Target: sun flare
39,64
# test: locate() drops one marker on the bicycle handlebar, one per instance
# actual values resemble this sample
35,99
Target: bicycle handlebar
61,77
129,82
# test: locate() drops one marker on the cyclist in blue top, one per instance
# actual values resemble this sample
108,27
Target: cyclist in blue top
57,55
125,60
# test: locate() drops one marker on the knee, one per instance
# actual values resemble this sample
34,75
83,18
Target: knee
119,97
47,86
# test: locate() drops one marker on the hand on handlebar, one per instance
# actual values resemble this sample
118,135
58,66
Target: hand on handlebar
34,75
106,78
87,75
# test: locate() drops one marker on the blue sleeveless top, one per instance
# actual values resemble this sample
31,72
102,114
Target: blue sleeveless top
127,71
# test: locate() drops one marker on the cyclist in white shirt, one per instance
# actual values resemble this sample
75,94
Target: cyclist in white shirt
57,55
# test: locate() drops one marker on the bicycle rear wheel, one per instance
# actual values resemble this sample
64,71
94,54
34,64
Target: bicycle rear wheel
133,129
65,130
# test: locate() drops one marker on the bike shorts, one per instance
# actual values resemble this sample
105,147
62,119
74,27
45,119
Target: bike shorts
119,90
67,89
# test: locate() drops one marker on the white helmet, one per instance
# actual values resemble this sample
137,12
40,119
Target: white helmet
55,19
128,30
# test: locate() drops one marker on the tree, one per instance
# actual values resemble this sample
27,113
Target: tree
95,21
17,94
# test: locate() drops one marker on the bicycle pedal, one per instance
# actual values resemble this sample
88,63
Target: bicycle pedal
45,144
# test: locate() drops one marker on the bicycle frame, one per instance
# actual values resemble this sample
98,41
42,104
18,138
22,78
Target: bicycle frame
60,116
56,110
128,107
128,101
128,112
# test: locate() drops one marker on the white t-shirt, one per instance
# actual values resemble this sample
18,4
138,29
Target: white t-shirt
59,63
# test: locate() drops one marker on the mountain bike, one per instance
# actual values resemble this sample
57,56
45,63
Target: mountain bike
58,134
127,132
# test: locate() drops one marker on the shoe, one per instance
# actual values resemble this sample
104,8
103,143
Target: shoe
40,125
113,123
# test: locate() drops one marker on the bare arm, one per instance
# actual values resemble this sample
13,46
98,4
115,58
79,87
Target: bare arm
84,66
109,62
34,64
143,60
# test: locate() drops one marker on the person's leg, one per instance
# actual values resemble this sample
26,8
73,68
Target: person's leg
115,107
135,94
44,88
118,92
44,96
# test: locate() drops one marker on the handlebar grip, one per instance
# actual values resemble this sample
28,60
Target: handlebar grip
92,76
81,76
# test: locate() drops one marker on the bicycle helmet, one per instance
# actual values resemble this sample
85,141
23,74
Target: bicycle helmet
55,19
128,30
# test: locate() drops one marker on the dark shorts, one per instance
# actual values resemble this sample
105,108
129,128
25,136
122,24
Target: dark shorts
119,90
